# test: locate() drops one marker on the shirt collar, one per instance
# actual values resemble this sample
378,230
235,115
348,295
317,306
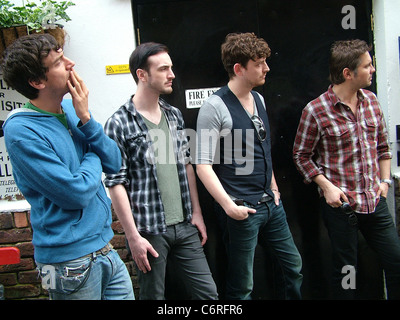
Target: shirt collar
62,117
335,100
131,107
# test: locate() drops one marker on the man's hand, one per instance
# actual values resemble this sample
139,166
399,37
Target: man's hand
139,249
198,221
334,196
383,190
277,196
80,96
239,212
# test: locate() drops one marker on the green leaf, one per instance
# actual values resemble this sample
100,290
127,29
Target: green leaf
34,14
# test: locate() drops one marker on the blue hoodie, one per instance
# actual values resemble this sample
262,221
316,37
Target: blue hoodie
59,172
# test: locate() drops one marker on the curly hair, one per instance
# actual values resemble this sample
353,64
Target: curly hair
345,54
23,62
240,48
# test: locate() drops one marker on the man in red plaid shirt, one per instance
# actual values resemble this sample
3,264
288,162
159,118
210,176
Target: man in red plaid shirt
342,145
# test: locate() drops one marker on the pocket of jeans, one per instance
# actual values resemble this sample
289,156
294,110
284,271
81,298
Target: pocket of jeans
241,221
74,276
192,229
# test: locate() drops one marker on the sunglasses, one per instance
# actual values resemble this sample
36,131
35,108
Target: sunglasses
346,209
260,127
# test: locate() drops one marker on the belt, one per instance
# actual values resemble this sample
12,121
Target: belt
265,198
103,251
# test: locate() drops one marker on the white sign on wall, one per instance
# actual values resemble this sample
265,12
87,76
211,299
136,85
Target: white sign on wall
9,100
196,97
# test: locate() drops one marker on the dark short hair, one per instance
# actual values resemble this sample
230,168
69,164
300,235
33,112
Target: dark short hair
138,58
240,48
345,54
23,62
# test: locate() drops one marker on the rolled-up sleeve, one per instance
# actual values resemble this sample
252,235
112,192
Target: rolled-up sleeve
113,129
307,137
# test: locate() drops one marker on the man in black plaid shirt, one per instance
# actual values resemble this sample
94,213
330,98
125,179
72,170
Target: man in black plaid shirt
154,194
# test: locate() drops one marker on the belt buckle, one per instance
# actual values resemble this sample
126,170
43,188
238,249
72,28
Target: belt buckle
239,202
106,249
265,198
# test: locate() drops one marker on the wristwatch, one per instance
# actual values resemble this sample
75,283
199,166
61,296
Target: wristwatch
388,181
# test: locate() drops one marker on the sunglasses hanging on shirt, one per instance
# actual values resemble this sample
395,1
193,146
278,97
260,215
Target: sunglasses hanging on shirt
260,127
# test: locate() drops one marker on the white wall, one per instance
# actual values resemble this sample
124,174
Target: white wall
101,33
387,32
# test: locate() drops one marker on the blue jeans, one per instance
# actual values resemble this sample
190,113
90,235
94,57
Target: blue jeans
92,277
181,244
380,233
268,227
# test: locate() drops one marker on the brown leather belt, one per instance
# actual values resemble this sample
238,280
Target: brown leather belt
103,251
264,198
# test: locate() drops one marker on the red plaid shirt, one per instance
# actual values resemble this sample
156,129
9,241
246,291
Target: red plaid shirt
343,146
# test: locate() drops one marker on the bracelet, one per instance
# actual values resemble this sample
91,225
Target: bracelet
388,181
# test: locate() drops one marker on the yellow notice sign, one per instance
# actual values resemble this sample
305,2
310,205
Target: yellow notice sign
117,69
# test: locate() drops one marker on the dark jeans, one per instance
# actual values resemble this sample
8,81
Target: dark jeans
380,233
181,243
268,227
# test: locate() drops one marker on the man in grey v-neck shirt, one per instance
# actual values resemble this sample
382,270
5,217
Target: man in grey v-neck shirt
167,172
158,207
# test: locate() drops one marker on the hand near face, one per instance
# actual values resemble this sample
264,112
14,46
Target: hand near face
80,96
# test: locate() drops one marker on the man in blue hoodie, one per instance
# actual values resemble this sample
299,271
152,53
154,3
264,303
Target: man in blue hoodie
58,153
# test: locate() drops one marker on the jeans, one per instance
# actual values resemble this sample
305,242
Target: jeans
268,227
380,233
92,277
181,243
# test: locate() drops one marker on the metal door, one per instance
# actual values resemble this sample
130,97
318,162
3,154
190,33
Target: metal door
300,34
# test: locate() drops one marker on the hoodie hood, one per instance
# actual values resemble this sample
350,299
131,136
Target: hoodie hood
21,111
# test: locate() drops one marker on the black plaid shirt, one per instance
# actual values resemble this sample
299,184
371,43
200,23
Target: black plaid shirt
138,171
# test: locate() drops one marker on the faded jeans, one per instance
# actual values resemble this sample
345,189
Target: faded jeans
268,227
92,277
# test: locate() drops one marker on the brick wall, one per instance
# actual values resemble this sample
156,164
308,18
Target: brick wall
21,280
